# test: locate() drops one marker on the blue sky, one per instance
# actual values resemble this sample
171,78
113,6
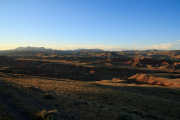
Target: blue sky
106,24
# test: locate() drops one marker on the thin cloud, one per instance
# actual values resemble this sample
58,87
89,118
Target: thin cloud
162,46
165,46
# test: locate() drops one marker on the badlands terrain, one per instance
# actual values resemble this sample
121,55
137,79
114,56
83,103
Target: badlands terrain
86,84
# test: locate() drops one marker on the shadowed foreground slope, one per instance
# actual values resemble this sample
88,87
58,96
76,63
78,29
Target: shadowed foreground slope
23,97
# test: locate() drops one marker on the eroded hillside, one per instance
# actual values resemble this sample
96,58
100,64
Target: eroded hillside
86,86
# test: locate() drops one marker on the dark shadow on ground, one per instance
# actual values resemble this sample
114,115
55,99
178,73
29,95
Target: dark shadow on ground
68,71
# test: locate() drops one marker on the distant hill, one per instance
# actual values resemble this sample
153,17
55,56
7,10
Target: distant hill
31,49
47,49
26,51
88,50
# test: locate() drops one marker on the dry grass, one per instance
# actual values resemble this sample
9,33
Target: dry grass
107,99
150,79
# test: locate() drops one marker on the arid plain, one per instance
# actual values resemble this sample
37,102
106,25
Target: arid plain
89,85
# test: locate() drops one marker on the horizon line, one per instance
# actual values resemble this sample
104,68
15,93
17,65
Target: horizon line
82,48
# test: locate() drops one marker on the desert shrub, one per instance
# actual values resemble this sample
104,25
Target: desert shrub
47,115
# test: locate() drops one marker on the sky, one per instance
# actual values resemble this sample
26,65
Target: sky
104,24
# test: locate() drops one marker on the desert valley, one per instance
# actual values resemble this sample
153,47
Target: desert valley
89,84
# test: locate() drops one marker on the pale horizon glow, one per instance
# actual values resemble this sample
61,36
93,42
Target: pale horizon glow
164,46
91,24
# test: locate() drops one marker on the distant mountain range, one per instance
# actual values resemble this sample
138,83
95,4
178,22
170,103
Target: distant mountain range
30,51
47,49
88,50
33,50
